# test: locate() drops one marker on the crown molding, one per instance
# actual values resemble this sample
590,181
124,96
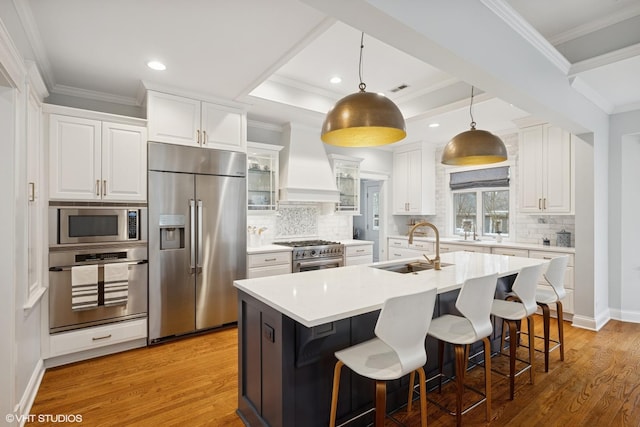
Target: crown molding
584,29
605,59
94,95
505,12
588,92
263,125
35,80
11,63
35,41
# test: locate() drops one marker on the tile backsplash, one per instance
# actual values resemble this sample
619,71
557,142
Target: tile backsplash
298,222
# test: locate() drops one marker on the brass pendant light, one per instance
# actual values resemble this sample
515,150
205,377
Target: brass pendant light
363,119
474,147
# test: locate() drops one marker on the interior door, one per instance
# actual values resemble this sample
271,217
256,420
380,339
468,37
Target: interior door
221,247
372,216
171,280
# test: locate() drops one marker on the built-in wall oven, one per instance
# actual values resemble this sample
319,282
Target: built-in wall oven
96,285
98,265
309,255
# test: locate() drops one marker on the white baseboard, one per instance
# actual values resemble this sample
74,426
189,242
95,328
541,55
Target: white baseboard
591,323
29,396
632,316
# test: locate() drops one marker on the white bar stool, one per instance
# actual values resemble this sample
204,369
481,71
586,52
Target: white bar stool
398,349
544,297
512,311
474,303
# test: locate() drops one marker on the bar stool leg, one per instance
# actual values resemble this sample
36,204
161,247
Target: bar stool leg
512,355
546,319
461,367
412,379
440,362
560,315
334,393
422,377
487,376
381,402
532,350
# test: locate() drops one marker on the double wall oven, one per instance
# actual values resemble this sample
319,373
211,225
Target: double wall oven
311,255
97,264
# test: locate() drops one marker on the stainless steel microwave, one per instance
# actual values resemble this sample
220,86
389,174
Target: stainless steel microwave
96,224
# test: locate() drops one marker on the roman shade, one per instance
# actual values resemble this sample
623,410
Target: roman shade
489,177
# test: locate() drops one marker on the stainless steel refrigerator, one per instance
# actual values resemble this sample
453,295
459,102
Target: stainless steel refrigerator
197,238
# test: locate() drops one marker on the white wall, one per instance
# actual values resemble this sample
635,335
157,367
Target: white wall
624,227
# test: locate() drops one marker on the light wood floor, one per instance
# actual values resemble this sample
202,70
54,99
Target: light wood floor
194,382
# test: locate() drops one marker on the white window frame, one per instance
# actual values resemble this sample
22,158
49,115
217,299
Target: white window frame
450,222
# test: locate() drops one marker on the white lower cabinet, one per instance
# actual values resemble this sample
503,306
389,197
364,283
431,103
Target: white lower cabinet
448,247
567,302
524,253
96,337
268,264
358,254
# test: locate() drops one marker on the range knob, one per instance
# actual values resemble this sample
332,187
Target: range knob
313,252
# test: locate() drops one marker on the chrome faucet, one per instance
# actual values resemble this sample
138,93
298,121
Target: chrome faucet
436,261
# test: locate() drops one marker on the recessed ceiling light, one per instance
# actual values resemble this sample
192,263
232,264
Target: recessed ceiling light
156,65
434,125
335,80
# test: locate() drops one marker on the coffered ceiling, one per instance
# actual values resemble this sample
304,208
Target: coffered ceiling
278,56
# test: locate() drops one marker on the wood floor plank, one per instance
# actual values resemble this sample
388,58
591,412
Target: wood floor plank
193,382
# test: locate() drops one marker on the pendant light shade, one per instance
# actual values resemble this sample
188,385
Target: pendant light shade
363,119
474,147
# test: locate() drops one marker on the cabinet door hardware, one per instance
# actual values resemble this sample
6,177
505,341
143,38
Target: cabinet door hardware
540,204
269,259
104,187
101,338
97,187
198,136
204,137
32,191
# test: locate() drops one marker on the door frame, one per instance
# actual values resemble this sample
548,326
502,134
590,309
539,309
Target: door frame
384,208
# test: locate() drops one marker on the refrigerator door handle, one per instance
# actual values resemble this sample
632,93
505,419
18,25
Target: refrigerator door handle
199,252
192,232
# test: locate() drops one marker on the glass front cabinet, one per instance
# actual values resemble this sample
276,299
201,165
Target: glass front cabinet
346,170
262,176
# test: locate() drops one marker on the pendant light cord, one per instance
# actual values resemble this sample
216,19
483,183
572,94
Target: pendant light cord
362,86
473,123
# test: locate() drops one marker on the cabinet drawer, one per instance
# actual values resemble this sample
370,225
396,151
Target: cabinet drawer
400,253
398,243
358,250
100,336
422,246
550,255
271,258
254,273
511,252
357,260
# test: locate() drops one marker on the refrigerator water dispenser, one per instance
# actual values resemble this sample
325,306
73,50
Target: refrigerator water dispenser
172,232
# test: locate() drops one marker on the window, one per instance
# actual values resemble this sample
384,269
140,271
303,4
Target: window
481,201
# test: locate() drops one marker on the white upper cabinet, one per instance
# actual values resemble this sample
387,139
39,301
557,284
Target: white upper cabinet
346,170
186,121
546,170
92,160
414,180
124,162
262,176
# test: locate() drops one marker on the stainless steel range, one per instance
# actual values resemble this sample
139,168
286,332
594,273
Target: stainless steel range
315,254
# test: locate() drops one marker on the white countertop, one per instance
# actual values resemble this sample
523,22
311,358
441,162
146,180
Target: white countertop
265,249
353,242
490,243
317,297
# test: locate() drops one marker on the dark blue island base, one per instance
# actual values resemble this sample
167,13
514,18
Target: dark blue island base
286,369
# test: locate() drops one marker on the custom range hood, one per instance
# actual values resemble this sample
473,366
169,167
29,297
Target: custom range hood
305,173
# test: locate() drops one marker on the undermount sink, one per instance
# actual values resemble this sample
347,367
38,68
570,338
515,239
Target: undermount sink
408,267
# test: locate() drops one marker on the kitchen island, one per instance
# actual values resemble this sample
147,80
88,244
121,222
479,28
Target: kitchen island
290,325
